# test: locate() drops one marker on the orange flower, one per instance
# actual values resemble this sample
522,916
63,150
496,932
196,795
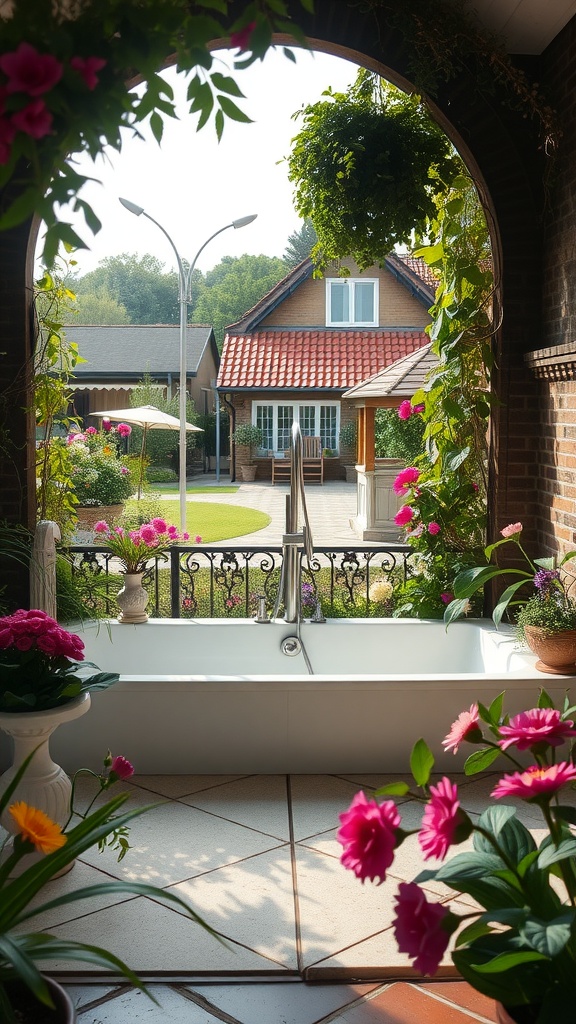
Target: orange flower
37,827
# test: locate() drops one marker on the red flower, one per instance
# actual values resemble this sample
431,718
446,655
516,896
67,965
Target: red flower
368,835
34,120
418,928
241,39
7,133
29,71
87,68
540,725
121,768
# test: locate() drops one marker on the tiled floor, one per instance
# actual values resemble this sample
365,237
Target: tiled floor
256,856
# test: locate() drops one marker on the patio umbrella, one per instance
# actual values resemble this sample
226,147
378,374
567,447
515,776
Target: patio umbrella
149,418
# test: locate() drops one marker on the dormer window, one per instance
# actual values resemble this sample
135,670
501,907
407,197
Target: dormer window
351,302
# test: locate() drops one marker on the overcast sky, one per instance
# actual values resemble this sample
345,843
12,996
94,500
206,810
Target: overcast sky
193,186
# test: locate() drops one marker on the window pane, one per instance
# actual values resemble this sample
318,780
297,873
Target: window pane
285,420
265,420
328,426
307,419
339,302
364,302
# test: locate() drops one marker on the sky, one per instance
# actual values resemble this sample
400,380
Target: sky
193,185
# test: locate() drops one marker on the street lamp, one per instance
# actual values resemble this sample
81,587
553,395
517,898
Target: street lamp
184,298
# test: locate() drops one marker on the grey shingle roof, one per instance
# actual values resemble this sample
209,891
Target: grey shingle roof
398,380
132,350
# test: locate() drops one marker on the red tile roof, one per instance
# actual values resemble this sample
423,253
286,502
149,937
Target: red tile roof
311,358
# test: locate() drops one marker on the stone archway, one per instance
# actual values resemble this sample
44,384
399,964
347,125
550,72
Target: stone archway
492,138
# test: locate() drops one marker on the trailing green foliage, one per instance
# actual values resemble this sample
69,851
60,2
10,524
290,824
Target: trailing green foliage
397,439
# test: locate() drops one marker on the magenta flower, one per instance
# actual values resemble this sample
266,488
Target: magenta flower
172,533
417,409
418,928
535,782
124,429
511,530
34,120
101,526
160,525
405,410
197,539
124,471
241,39
404,515
185,536
121,768
434,528
29,71
540,725
148,534
446,596
442,816
106,425
465,728
406,477
368,835
88,68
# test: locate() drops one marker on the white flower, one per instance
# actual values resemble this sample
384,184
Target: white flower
380,590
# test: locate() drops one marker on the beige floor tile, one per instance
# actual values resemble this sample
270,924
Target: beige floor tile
135,1007
174,842
317,800
176,786
280,1003
258,802
251,902
81,876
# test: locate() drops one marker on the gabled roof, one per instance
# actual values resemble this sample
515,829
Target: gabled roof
413,273
399,380
312,359
132,350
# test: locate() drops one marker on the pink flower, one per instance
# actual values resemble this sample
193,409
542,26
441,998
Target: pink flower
124,471
441,819
198,539
446,596
404,515
535,782
101,527
241,39
417,409
368,835
160,525
124,429
34,120
185,536
511,530
475,486
405,410
121,768
173,533
418,928
405,478
24,643
540,725
90,431
29,71
434,528
464,728
87,68
106,425
149,535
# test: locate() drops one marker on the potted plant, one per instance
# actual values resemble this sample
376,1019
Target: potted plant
134,549
42,684
26,995
545,618
516,941
348,442
102,481
250,437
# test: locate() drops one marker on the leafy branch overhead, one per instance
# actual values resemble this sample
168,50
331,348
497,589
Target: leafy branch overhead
64,73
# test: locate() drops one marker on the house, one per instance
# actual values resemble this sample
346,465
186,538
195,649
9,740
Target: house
294,354
117,358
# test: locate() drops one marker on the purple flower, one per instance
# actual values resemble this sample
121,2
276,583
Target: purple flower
545,580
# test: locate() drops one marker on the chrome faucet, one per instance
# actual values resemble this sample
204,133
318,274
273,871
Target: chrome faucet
293,542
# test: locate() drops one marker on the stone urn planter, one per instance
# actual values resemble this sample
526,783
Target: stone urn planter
248,473
556,651
132,599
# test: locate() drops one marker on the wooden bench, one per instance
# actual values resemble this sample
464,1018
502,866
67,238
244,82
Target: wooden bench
312,463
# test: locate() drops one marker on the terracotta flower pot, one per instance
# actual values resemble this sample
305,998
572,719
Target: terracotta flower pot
556,651
29,1011
516,1014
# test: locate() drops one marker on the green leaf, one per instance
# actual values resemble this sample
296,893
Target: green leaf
553,854
480,760
495,709
454,610
231,110
507,960
224,83
219,124
157,126
548,937
564,813
505,601
421,762
393,789
545,700
455,460
20,209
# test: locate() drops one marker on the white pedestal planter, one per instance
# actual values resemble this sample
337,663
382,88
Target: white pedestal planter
377,502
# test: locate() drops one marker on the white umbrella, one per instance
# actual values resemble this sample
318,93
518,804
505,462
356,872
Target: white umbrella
149,418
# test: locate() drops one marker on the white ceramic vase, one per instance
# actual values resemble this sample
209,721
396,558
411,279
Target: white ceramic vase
132,599
45,784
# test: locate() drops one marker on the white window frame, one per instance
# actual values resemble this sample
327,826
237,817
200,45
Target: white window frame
351,282
295,403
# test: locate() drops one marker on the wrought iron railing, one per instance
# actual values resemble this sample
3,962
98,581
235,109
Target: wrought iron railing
214,582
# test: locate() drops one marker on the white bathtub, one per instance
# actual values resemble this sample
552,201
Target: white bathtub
219,696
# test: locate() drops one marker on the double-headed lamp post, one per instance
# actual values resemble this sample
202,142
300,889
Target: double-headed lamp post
184,298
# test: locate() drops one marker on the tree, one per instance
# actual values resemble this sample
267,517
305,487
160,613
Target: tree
368,165
233,287
99,309
138,283
300,244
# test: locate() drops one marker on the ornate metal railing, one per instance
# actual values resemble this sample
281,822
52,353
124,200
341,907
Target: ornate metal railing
214,582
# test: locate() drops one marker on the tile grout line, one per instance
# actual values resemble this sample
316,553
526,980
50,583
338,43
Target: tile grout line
295,899
450,1002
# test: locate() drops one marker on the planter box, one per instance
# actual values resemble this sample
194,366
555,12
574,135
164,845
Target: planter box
89,515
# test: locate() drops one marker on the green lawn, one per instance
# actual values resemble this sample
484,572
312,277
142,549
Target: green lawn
213,521
190,489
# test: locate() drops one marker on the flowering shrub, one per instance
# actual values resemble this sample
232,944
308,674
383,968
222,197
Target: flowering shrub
39,662
518,943
135,548
98,472
549,607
